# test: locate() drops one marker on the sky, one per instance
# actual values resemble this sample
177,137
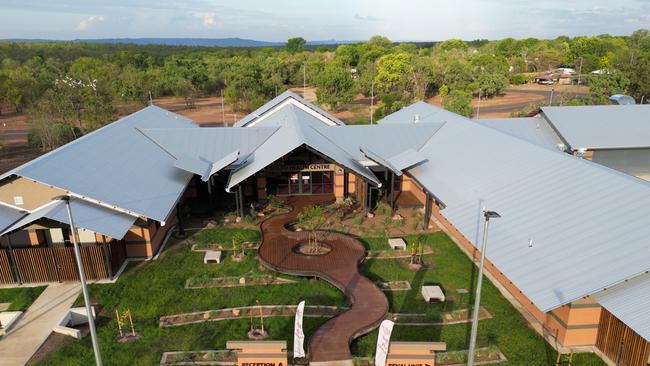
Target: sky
277,20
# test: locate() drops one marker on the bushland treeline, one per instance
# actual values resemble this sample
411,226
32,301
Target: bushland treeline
70,88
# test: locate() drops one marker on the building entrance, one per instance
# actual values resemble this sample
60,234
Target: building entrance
300,182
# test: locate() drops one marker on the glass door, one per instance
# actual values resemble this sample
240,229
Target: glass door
294,183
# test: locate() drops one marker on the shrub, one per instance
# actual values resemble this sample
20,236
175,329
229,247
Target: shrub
383,209
518,79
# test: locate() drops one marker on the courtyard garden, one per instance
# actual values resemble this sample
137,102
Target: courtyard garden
180,304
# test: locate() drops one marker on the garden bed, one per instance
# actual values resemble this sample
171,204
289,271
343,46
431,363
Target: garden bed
206,357
204,247
394,254
394,286
447,318
246,312
482,356
217,282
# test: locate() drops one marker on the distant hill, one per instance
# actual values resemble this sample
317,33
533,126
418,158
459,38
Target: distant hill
205,42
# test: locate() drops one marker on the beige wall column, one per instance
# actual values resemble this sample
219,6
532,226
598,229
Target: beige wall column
339,184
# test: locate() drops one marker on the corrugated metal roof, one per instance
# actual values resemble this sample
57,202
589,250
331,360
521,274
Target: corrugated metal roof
588,223
8,216
386,140
210,143
407,159
86,215
630,302
117,165
28,218
531,129
296,130
603,126
420,112
93,217
279,99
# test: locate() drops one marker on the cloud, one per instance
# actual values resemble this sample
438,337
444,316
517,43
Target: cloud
367,18
88,22
209,19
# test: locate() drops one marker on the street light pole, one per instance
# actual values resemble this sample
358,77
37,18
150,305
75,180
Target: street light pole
477,301
84,288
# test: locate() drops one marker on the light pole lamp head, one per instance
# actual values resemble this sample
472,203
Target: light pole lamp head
490,215
64,198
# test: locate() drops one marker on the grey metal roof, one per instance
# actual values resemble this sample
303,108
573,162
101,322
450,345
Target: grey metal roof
588,223
279,99
93,217
297,129
86,215
210,143
8,216
531,129
630,302
420,112
603,126
30,217
117,165
407,159
386,140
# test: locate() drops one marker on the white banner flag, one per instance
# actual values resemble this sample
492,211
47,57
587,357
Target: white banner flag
298,334
383,341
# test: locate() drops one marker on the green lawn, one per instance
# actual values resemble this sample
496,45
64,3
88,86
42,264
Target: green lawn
20,297
155,288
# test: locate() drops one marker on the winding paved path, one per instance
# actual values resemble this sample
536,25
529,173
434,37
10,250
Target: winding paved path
340,267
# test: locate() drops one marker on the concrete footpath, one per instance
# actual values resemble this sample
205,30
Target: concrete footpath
37,322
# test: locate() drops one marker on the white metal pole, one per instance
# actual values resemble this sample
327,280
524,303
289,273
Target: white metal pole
477,300
223,111
550,102
372,100
580,71
478,107
84,288
304,81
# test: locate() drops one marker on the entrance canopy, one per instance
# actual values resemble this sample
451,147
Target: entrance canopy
245,151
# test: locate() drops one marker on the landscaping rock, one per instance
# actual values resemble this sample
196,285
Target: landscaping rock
242,281
398,217
370,215
238,219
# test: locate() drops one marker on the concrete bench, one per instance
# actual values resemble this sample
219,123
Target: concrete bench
433,293
212,256
397,243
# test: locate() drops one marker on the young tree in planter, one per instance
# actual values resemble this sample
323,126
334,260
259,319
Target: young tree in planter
312,219
237,245
416,250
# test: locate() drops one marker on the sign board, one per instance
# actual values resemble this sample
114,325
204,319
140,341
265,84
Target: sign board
318,167
259,353
413,353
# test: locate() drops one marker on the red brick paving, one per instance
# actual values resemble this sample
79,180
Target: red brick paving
340,267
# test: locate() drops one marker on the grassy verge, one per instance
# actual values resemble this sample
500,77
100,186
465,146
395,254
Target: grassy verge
21,297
